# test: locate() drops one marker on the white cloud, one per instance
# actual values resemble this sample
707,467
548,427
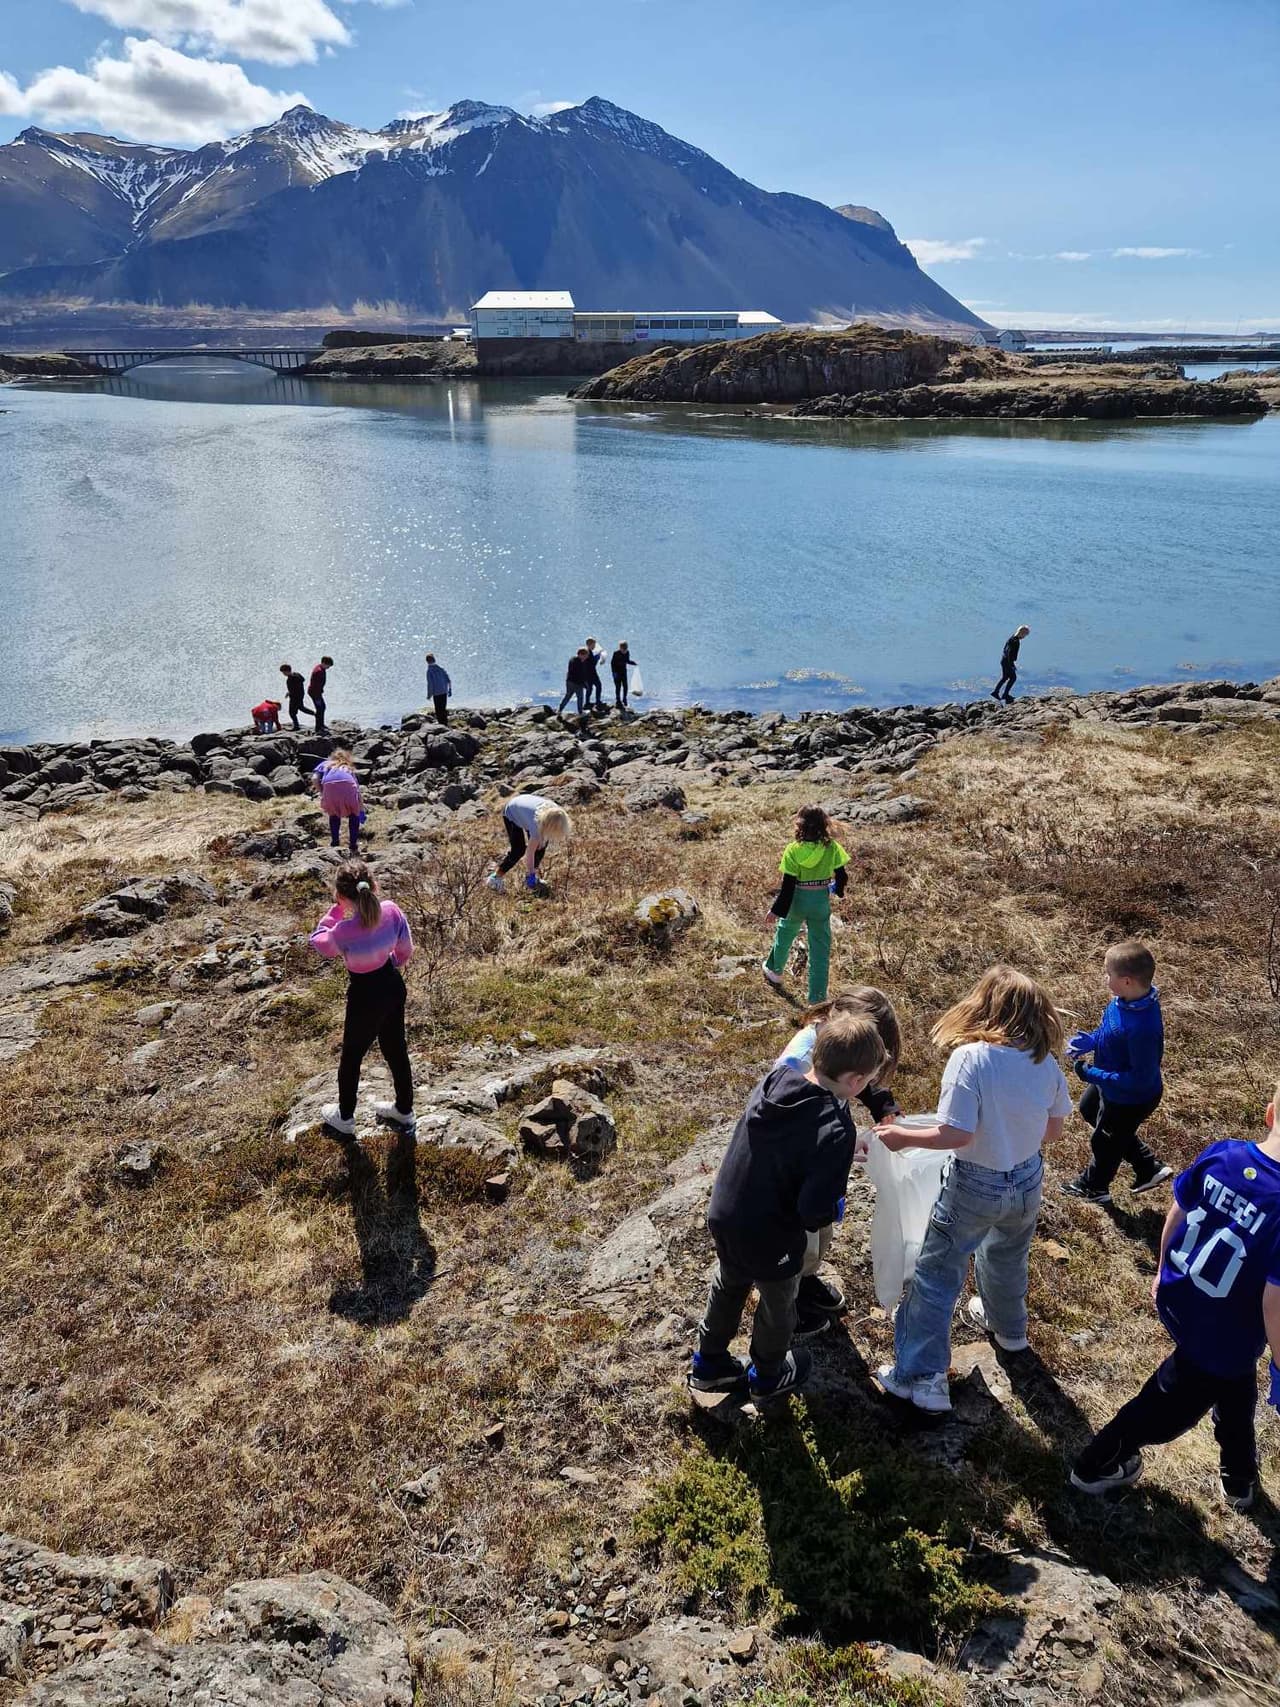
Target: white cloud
151,92
11,97
930,250
544,109
1071,255
1152,254
278,32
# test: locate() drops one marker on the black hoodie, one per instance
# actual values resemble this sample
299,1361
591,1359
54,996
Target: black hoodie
783,1175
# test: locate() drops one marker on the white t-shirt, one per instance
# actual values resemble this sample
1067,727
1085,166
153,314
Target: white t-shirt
523,812
1004,1098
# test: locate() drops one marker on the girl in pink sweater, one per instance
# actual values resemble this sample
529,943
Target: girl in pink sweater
372,937
335,777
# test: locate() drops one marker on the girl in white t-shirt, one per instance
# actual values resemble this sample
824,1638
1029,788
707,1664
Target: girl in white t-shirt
1003,1096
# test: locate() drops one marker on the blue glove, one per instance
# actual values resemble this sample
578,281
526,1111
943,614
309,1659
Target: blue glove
840,1209
1273,1397
531,881
1081,1044
831,887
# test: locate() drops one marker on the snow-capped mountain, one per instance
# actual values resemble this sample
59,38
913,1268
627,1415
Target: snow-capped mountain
431,210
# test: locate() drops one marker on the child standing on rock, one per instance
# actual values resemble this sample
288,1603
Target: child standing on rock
783,1179
1003,1096
373,938
1123,1079
819,1303
813,868
533,824
340,798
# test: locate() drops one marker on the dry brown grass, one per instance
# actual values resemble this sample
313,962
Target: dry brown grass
236,1368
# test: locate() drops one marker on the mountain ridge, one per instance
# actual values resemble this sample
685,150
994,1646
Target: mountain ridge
430,210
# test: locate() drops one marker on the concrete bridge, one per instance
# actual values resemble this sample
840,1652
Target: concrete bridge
123,361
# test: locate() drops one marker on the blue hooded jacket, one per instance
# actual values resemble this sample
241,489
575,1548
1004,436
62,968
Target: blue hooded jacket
1127,1047
438,680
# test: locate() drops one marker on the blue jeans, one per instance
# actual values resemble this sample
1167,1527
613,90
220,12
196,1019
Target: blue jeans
983,1213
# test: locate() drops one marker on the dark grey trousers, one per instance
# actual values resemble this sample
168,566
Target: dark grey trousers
775,1318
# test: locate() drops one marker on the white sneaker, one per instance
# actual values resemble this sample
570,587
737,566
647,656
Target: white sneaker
978,1316
387,1111
332,1117
892,1382
771,977
494,881
931,1393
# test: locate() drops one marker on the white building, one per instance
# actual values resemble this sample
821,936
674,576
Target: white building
1007,339
523,314
551,314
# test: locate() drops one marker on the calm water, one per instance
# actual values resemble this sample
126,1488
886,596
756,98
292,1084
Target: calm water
167,539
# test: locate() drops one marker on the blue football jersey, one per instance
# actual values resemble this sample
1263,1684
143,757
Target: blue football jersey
1214,1272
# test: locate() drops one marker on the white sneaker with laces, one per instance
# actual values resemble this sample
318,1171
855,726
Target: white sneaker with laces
892,1382
494,881
978,1316
931,1393
771,977
389,1112
332,1117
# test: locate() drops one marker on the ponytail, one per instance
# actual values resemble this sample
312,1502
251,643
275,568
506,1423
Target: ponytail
355,884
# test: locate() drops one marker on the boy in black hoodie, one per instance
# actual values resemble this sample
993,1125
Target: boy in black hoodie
783,1178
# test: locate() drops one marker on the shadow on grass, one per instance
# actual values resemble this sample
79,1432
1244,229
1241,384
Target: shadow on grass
397,1258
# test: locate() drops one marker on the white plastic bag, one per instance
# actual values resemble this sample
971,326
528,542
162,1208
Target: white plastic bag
907,1184
636,682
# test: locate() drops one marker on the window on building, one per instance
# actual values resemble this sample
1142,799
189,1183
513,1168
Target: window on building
686,325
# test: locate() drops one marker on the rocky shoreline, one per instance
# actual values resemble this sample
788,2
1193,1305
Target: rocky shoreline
1134,400
425,774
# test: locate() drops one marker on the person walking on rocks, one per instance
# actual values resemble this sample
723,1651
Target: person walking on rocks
439,688
1009,664
372,938
295,688
813,869
595,657
316,687
533,824
577,678
335,777
619,664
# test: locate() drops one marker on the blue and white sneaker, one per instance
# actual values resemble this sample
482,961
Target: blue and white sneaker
789,1379
717,1372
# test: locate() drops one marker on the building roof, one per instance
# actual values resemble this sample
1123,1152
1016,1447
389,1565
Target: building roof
755,317
525,299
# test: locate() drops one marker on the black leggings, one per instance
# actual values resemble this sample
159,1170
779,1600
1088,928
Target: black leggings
519,842
1173,1401
1004,687
620,686
375,1013
1115,1137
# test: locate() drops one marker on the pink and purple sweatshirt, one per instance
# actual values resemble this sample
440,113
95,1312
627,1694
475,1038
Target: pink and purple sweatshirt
339,790
341,936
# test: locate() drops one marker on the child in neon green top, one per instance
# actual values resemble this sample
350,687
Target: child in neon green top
813,867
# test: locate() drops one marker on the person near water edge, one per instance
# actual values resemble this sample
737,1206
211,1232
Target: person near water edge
619,664
340,797
595,687
813,867
783,1178
1003,1096
533,824
1009,664
577,678
316,687
372,937
1217,1292
439,688
295,688
1120,1065
266,717
819,1303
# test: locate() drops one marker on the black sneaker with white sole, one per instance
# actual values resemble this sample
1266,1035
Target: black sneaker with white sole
1239,1492
789,1379
811,1323
818,1294
1149,1182
1119,1476
1080,1187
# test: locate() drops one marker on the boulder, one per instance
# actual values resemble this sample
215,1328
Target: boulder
652,795
8,895
570,1122
666,914
899,809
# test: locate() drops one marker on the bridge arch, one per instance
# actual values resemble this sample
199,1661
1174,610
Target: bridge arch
125,361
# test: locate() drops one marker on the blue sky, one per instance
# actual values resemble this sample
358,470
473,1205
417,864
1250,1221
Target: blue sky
1053,162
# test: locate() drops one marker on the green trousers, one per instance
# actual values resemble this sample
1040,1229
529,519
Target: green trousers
810,908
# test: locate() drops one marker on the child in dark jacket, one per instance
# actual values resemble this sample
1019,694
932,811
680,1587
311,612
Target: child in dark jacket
783,1178
1123,1079
1218,1294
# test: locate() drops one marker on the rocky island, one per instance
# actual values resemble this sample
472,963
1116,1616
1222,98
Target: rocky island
873,371
396,1423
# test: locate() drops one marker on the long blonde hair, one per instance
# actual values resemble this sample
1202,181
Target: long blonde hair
1004,1006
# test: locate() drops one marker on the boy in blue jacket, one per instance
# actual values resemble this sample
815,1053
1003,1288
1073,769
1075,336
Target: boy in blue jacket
1123,1079
782,1181
1218,1295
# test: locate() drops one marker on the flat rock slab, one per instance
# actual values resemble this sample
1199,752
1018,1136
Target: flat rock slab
1055,1630
634,1252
